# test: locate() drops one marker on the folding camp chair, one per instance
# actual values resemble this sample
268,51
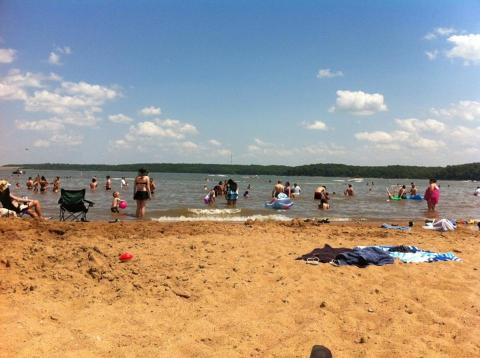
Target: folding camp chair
72,205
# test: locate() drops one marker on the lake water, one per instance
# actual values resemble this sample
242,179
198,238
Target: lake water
180,197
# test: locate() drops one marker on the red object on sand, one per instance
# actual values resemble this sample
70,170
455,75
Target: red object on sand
126,256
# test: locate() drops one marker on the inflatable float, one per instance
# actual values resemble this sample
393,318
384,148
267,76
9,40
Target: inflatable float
279,204
282,202
415,197
409,197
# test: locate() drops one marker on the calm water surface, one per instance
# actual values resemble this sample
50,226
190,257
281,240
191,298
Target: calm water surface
180,197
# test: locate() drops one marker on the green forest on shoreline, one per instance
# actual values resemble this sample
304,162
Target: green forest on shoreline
469,171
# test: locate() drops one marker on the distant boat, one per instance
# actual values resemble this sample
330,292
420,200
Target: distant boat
18,172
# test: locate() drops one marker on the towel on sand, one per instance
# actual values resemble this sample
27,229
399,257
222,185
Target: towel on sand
442,225
413,254
324,254
395,227
362,257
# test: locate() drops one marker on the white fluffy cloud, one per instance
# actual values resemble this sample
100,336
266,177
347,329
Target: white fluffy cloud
260,147
41,143
359,103
40,125
7,55
466,136
11,93
119,118
417,125
163,134
316,125
72,103
151,111
375,137
96,94
14,85
215,142
467,110
432,55
54,57
398,139
462,45
466,47
440,32
59,139
328,73
168,128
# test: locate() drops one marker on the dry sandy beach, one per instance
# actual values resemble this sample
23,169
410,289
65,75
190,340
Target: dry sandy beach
231,290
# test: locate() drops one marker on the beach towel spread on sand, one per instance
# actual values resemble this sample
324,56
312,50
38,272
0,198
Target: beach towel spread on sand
395,227
325,254
413,254
442,225
362,257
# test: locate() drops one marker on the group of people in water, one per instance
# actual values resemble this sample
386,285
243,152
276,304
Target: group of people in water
40,184
144,188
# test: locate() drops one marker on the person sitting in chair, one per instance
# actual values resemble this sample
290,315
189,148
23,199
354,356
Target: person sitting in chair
18,205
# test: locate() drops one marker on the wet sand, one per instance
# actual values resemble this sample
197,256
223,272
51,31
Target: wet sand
230,290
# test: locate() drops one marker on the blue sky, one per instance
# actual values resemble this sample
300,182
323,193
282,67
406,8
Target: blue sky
272,82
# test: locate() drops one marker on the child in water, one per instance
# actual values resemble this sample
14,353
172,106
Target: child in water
115,203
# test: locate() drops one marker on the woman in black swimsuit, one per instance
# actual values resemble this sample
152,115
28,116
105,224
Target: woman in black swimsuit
141,191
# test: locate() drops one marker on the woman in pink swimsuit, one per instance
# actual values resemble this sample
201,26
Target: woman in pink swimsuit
432,195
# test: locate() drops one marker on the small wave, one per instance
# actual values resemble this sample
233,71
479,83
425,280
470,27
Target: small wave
223,218
214,211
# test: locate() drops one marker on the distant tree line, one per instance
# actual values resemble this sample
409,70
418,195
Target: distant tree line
469,171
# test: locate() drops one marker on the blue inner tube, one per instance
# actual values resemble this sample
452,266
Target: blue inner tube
280,204
415,197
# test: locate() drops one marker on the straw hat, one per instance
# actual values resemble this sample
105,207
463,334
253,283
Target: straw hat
3,185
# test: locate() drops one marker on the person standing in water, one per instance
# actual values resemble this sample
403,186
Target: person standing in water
349,191
277,189
432,195
43,184
36,183
232,193
413,189
123,183
108,183
296,190
56,185
29,183
93,184
141,191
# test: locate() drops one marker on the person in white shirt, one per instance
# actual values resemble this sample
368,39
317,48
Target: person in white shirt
296,190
